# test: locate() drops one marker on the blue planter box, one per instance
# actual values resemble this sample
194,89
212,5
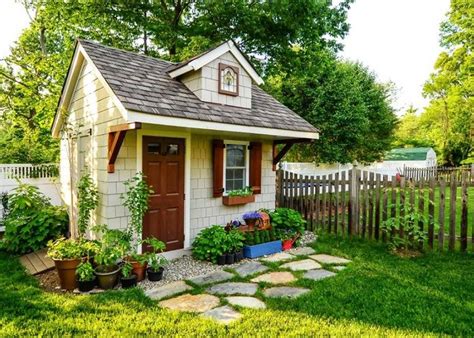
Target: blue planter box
258,250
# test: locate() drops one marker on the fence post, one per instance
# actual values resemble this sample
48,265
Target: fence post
354,200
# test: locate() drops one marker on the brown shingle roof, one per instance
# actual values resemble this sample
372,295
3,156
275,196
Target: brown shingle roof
142,84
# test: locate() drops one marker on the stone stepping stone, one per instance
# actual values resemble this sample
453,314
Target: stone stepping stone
233,288
318,274
303,251
275,278
305,264
214,277
167,290
284,291
191,303
278,257
223,314
339,267
328,259
250,268
249,302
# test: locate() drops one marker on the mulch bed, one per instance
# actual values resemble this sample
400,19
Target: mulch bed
49,281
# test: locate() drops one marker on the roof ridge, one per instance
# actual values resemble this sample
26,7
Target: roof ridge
80,40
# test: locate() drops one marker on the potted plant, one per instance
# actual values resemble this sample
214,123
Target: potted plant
236,243
85,276
136,201
128,279
288,222
239,197
210,245
156,262
251,218
113,245
67,255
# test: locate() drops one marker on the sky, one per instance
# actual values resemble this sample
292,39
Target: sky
396,39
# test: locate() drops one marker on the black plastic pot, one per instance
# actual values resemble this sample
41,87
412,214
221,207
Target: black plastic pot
153,275
229,258
239,255
221,259
86,285
129,282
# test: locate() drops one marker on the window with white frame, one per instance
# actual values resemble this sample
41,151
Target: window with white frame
236,165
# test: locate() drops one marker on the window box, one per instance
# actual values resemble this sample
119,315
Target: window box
238,200
253,251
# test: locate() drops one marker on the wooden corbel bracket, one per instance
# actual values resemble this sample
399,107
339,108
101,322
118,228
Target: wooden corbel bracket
116,136
278,155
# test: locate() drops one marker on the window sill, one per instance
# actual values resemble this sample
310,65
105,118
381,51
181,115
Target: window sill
237,200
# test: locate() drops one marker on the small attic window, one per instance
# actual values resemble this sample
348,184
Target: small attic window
228,80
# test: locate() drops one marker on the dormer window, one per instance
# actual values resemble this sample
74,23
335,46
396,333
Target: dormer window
228,80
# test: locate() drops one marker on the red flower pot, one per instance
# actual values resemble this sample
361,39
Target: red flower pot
287,244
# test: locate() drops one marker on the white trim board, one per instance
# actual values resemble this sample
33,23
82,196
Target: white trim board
217,126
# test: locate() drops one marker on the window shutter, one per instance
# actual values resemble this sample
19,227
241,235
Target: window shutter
218,167
255,174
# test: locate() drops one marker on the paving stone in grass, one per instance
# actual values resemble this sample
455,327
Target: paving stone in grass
278,257
339,267
318,274
249,302
302,251
284,291
167,290
275,278
233,288
214,277
305,264
191,303
250,268
223,314
328,259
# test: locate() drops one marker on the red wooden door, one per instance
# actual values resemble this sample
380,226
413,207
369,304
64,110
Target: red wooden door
163,166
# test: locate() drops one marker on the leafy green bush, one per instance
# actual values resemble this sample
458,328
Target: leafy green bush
114,244
31,220
235,239
85,272
210,243
87,201
288,220
63,248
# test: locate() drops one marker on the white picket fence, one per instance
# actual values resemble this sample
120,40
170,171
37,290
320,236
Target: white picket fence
43,176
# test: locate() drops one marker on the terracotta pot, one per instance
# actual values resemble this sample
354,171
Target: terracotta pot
107,277
155,276
139,270
67,272
251,222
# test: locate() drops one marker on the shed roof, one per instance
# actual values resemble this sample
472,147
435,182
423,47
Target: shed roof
407,154
142,84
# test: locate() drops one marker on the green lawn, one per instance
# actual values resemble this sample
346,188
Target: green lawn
379,294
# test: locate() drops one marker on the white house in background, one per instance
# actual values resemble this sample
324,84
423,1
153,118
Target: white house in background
197,129
394,163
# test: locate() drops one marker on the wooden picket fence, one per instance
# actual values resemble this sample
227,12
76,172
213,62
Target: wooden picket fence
439,172
356,203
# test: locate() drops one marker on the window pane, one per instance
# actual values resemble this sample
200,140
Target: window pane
154,148
234,179
235,155
172,149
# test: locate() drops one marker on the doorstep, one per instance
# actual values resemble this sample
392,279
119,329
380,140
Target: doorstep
175,254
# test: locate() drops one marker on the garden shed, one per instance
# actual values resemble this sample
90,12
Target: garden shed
197,129
412,157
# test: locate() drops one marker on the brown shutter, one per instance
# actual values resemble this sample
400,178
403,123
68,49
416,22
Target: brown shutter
255,175
218,167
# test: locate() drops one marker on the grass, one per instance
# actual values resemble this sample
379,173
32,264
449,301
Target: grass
378,294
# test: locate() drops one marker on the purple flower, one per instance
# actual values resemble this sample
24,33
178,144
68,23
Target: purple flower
251,215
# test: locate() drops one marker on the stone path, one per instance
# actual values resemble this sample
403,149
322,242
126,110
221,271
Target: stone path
275,278
215,277
327,259
250,268
239,293
248,289
305,264
249,302
168,290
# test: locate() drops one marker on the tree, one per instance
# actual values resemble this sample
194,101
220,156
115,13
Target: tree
345,102
32,76
410,131
449,117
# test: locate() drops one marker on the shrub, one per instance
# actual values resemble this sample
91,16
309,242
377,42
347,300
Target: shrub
63,248
31,221
288,220
235,240
85,272
88,200
210,243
